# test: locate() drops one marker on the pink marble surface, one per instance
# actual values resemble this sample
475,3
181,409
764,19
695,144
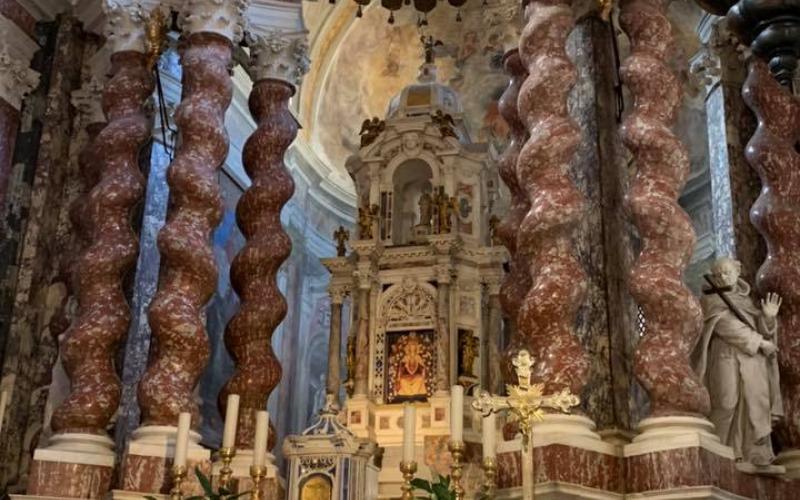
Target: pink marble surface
15,12
254,270
673,315
188,271
91,342
516,282
546,319
66,480
149,474
774,154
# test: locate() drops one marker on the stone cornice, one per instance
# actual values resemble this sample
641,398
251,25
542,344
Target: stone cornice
16,52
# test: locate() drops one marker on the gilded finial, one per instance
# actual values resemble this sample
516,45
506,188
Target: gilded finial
156,35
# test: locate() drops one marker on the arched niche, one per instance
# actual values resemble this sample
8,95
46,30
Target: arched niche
410,180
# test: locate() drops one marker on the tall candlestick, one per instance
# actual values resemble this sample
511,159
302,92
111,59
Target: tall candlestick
3,404
260,441
409,432
231,418
182,439
489,436
457,413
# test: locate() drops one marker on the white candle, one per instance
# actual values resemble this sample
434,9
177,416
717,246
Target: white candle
3,404
260,441
231,417
182,439
457,413
489,436
409,432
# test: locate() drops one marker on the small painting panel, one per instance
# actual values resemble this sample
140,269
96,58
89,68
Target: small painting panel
410,362
316,487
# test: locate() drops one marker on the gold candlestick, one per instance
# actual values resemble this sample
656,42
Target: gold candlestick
225,473
408,469
178,475
489,475
257,474
457,468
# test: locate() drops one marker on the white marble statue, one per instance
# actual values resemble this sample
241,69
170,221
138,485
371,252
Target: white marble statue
736,359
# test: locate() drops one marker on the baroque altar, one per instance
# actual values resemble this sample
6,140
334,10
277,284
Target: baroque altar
422,273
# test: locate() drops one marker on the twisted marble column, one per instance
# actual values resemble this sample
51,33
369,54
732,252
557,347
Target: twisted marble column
188,278
673,315
91,342
254,270
773,153
545,322
517,281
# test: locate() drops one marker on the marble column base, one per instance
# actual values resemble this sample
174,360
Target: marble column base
670,433
147,463
561,444
790,459
72,466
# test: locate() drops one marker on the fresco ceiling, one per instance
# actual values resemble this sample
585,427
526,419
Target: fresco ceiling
359,64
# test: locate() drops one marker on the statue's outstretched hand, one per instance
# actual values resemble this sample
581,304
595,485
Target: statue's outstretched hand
768,348
771,304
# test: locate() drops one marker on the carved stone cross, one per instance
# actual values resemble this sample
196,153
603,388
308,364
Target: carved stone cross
525,403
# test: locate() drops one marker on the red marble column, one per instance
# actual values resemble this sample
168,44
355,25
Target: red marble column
254,270
110,164
673,315
545,323
773,153
189,273
516,282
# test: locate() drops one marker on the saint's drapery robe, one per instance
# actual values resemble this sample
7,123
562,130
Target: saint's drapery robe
743,383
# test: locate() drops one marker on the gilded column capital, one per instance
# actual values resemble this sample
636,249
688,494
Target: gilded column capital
223,17
278,55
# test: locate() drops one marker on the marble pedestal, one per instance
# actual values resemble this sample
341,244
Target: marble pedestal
72,466
147,463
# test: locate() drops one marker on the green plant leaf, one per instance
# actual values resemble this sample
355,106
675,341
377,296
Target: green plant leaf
204,482
149,498
196,497
421,484
442,492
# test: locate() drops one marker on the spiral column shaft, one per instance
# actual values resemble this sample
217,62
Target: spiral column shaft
545,322
91,342
254,270
672,313
772,152
188,278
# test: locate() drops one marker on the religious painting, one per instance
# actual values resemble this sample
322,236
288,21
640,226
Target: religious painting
316,487
410,362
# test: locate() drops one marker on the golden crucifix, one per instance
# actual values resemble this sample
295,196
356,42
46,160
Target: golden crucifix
525,403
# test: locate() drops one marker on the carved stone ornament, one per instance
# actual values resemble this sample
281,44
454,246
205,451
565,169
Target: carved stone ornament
410,304
279,56
17,78
125,25
223,17
88,101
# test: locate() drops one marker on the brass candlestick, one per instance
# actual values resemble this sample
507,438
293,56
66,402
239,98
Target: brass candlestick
225,473
408,469
489,475
257,474
178,475
457,468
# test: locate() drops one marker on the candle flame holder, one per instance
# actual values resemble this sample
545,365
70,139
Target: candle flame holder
457,467
408,469
178,476
489,476
225,473
257,474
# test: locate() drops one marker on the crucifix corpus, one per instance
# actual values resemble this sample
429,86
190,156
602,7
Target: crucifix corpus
525,404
